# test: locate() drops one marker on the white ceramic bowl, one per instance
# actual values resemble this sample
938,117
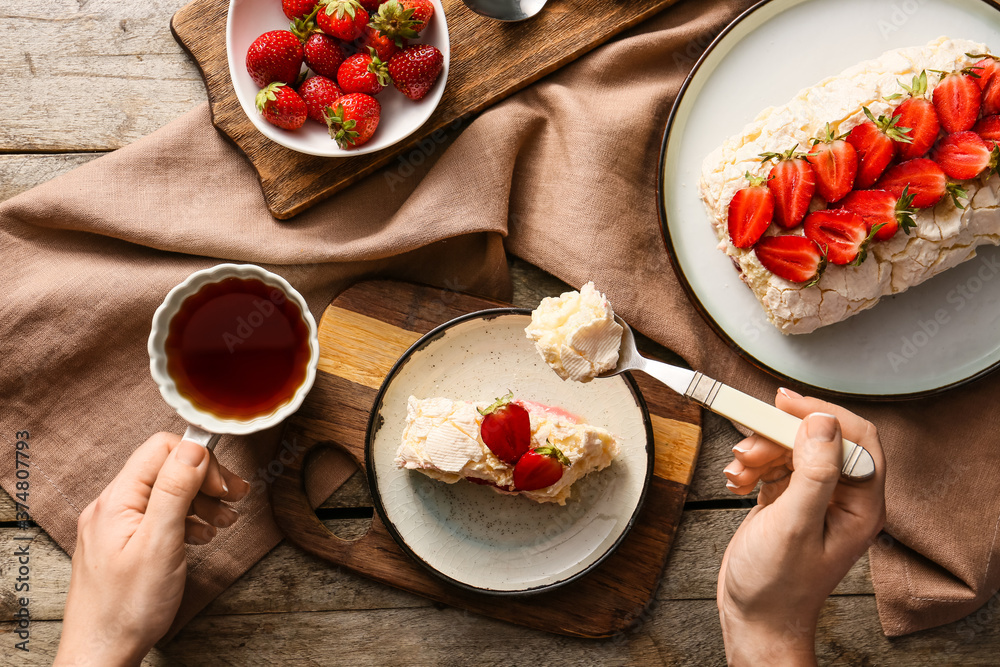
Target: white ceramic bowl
470,535
158,357
401,116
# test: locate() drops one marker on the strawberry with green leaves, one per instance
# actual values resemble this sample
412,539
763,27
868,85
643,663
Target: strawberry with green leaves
875,141
324,54
987,68
836,165
792,180
797,259
506,429
957,99
750,212
415,69
922,178
297,9
539,468
988,129
354,120
363,73
917,113
964,155
882,209
343,19
396,23
842,233
422,10
385,48
275,56
282,106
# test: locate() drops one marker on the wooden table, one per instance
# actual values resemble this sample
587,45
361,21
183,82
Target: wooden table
99,74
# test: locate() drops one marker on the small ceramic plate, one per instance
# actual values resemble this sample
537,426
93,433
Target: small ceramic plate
931,337
470,535
249,19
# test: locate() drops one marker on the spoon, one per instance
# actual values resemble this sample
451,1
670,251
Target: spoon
506,10
756,415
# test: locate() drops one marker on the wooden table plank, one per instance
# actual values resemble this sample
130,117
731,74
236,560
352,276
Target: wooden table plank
91,75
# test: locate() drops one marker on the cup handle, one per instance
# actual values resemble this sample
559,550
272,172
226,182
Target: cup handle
201,436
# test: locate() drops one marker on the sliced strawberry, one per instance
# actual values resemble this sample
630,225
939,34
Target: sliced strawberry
879,207
794,258
957,100
918,114
506,429
985,70
988,128
926,181
539,468
750,212
793,183
874,140
836,165
964,155
991,97
842,233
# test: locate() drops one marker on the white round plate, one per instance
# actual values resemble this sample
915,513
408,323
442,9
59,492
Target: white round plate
401,116
933,336
471,535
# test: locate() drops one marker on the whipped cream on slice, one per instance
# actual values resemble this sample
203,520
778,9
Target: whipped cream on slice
576,334
441,440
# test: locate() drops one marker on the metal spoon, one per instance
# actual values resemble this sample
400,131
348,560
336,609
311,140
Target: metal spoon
760,417
506,10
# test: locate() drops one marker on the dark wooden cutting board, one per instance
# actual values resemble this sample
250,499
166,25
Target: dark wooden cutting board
489,61
361,335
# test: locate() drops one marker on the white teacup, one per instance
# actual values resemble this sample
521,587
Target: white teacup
204,427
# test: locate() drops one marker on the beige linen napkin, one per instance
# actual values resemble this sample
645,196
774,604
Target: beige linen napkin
567,169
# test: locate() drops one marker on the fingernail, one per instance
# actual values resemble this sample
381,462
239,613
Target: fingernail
731,486
821,426
225,489
788,393
726,471
742,449
197,540
191,453
225,520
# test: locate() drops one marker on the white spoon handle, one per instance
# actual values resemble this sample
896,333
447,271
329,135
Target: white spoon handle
768,421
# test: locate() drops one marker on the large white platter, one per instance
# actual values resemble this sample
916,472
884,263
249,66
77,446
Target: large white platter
939,334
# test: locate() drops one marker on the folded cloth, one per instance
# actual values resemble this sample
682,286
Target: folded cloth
566,169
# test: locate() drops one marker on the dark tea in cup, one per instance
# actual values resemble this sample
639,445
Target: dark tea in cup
238,348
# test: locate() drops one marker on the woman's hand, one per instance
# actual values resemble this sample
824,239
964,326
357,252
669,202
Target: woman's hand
807,530
130,563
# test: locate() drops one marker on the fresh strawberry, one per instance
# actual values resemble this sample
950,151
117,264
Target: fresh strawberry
363,73
882,209
836,164
794,258
395,22
918,114
988,128
319,93
750,212
274,56
371,6
343,19
924,179
957,99
539,468
793,182
991,97
843,234
506,429
354,120
384,47
985,70
964,155
415,69
874,140
297,9
324,54
281,105
422,10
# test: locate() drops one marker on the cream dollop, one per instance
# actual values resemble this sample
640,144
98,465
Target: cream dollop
576,334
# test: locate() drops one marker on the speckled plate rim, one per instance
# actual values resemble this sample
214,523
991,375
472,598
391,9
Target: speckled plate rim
693,296
429,338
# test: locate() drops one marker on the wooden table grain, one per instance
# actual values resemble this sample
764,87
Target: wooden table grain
94,75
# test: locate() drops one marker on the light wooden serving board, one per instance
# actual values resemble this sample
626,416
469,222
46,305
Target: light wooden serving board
489,61
361,335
